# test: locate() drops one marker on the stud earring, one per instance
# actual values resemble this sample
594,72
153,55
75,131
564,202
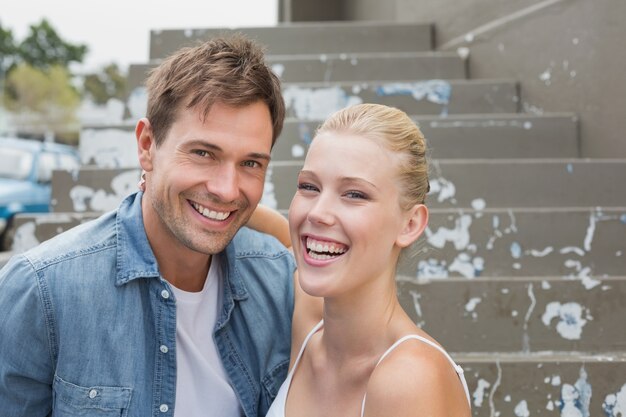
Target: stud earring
142,181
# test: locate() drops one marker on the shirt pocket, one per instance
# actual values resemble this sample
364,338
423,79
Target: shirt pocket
72,400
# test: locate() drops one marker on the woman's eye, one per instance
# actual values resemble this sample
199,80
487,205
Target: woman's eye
356,194
304,186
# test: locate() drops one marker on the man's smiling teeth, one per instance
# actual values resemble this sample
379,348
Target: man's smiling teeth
324,250
211,214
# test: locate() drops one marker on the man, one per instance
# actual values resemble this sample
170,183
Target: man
164,307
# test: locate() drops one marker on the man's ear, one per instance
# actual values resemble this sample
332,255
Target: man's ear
145,143
416,221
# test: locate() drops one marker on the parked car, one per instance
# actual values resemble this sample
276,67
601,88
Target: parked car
25,175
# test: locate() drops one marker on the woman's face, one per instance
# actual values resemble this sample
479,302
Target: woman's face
345,218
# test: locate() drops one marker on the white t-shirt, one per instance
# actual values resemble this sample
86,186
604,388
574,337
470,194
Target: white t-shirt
202,386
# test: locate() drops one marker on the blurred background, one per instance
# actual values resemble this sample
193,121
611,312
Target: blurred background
521,273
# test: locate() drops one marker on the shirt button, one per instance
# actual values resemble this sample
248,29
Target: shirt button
93,393
163,408
164,349
165,294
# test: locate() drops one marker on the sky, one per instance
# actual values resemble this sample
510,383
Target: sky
119,30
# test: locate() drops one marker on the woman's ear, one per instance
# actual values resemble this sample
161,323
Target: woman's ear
416,221
145,143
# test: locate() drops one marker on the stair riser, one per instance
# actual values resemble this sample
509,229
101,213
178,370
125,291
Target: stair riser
318,38
519,315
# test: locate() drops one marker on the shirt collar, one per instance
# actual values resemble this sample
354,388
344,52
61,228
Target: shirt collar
135,258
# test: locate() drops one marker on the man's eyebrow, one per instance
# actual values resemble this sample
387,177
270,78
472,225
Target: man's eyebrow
258,155
254,155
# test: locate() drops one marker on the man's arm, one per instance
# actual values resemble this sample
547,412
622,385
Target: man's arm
26,369
270,221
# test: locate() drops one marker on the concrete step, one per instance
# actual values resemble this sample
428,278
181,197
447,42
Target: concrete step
313,38
316,101
108,146
30,229
565,384
518,315
381,66
551,135
467,136
369,66
498,183
574,243
92,189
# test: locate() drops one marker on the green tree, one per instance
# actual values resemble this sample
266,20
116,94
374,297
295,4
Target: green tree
107,84
42,100
7,50
43,47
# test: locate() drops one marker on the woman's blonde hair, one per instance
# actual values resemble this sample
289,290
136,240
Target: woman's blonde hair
393,129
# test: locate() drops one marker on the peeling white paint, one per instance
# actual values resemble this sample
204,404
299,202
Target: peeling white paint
416,302
496,385
545,285
317,103
572,249
591,229
463,52
435,91
531,307
540,254
571,320
546,76
297,151
24,237
89,199
479,204
550,405
575,399
269,195
615,404
472,303
516,250
467,266
443,189
459,236
521,409
583,274
479,393
108,148
507,398
556,380
279,69
432,268
138,103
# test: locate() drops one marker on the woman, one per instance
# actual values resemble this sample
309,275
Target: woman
359,203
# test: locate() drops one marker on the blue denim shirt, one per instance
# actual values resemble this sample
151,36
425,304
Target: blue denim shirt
88,325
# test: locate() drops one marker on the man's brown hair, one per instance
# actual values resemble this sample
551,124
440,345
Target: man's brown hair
230,70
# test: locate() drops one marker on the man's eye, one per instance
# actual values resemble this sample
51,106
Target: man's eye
201,152
251,164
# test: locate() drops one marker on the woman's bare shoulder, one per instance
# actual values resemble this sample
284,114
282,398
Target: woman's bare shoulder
414,380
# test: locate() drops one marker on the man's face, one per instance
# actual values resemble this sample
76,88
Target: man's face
206,178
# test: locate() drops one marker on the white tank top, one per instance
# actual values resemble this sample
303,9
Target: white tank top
277,409
202,386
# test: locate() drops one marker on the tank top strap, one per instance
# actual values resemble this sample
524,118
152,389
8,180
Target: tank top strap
306,341
457,368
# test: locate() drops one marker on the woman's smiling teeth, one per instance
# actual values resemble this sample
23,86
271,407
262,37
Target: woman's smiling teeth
211,214
322,250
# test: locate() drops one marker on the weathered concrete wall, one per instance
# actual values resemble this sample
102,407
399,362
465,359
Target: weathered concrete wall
566,54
